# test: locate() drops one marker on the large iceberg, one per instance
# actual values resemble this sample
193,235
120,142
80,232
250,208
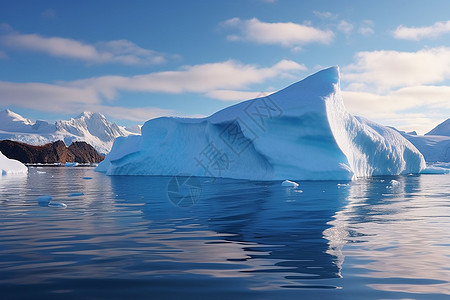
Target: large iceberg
11,166
302,132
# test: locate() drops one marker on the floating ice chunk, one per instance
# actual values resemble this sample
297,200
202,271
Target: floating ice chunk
44,200
339,185
289,183
76,194
394,183
71,164
437,168
57,205
11,166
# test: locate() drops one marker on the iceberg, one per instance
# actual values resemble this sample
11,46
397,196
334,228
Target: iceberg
11,166
302,132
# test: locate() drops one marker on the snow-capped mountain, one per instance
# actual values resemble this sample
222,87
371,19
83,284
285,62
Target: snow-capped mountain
434,145
442,129
92,128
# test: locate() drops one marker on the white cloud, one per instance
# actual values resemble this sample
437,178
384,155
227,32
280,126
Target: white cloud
203,78
402,89
232,95
366,28
324,14
139,114
90,94
345,27
42,95
389,69
285,34
410,108
119,51
417,33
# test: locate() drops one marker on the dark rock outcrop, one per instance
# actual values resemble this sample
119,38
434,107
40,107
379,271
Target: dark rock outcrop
83,152
56,152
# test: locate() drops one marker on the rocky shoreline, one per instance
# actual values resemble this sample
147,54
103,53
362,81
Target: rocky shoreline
51,153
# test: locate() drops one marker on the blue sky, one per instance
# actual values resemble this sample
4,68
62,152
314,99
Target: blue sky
136,60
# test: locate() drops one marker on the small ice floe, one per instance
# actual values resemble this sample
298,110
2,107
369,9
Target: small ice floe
46,201
393,184
289,183
57,205
339,185
76,194
40,172
71,164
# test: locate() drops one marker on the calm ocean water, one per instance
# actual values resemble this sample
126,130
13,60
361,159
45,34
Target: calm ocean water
128,237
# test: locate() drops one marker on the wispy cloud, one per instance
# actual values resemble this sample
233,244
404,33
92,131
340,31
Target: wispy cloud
366,28
417,108
232,95
395,87
91,93
418,33
135,114
325,15
388,69
284,34
345,27
118,51
202,79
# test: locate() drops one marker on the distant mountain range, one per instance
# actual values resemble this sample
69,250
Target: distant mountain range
434,145
442,129
92,128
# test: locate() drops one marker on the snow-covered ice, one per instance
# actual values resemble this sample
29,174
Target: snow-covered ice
57,205
47,201
76,194
289,183
71,164
11,166
302,132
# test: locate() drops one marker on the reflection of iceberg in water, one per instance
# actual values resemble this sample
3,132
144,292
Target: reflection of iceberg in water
252,229
394,232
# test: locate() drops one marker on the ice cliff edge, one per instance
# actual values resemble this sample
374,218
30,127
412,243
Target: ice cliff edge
302,132
11,166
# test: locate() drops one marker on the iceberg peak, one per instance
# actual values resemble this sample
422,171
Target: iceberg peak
301,132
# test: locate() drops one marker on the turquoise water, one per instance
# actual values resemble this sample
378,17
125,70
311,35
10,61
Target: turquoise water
194,238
